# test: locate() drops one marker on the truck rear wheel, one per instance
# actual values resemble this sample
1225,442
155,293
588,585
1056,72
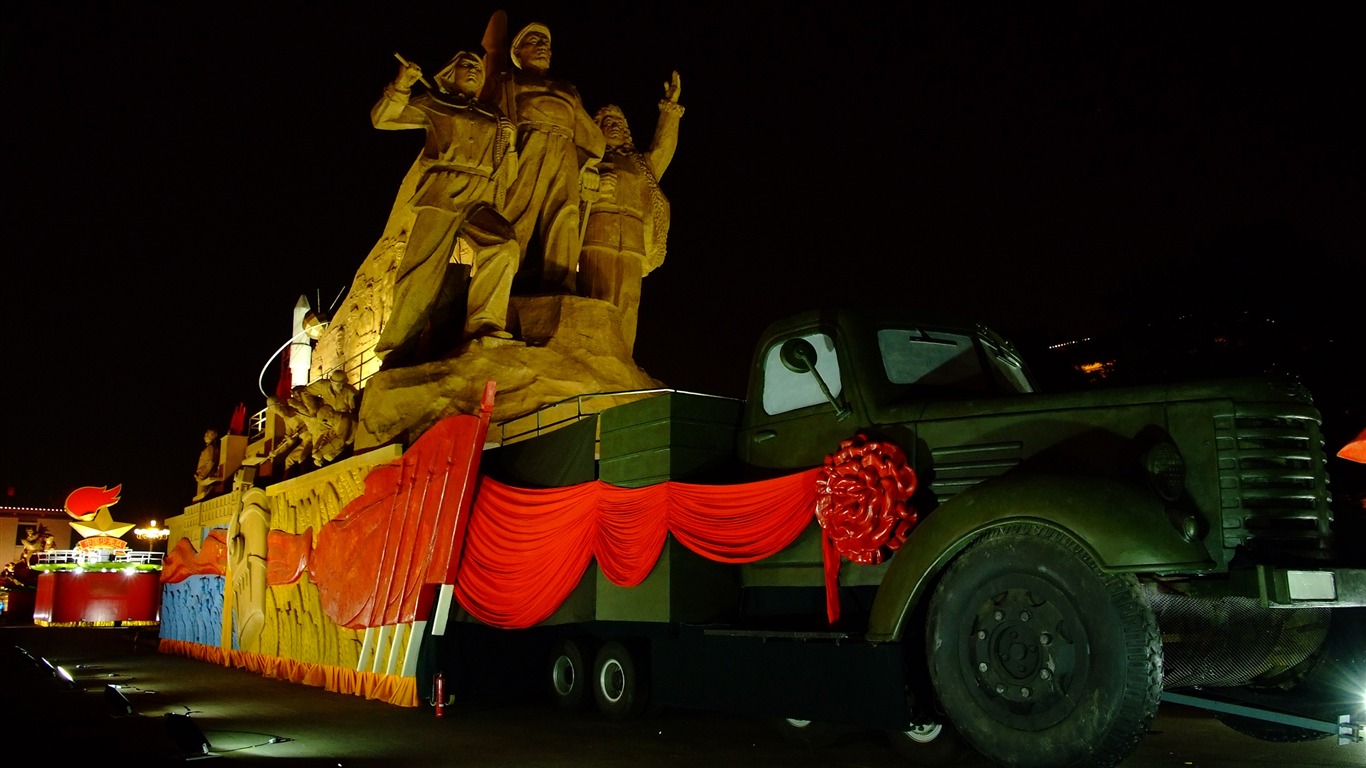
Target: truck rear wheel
1041,659
619,685
807,733
570,675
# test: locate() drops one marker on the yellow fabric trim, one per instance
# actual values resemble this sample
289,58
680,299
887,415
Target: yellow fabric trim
390,689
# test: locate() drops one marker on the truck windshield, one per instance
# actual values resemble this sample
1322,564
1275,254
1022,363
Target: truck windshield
950,361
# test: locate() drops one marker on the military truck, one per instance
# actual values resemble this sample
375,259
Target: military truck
1059,564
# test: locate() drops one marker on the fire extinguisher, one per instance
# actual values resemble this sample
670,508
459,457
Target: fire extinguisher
439,694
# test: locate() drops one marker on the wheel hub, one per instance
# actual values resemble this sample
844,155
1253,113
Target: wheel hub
1023,652
924,734
612,680
562,675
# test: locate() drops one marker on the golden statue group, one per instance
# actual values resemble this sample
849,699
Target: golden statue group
511,262
519,188
515,252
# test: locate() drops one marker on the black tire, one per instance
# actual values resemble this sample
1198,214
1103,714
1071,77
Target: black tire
932,745
1265,730
807,733
1041,659
620,687
570,673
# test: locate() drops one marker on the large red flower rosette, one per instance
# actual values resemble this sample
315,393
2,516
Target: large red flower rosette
863,499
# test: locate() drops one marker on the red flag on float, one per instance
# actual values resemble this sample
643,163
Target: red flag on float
285,384
238,425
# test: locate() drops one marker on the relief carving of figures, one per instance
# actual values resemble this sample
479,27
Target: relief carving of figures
247,567
328,408
558,148
628,226
295,444
466,167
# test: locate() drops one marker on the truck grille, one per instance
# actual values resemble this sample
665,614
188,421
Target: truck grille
1273,485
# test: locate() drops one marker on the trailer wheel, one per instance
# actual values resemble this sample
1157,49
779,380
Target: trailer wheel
932,744
619,685
807,733
1041,659
569,672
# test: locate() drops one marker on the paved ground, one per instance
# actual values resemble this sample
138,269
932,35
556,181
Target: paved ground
246,718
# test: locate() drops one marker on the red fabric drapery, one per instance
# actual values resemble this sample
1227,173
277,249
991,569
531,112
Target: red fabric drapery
526,549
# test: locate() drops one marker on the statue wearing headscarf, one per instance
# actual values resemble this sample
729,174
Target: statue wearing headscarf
628,226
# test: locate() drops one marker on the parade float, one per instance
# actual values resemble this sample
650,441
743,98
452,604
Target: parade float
101,581
860,541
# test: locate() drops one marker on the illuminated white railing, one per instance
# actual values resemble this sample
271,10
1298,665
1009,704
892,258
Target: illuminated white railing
90,556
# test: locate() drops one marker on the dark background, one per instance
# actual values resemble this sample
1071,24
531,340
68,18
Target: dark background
176,175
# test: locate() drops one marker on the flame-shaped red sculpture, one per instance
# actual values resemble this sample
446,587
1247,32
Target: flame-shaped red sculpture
83,503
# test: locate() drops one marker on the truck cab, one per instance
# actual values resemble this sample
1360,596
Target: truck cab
1201,508
818,376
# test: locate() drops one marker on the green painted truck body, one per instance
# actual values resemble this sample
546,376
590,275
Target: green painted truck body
1211,498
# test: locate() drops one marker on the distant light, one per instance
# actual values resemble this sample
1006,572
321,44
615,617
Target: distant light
152,532
1072,343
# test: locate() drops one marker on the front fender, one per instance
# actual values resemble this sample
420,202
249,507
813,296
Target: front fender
1125,528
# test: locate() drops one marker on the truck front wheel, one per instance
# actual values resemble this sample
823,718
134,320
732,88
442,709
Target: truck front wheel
619,685
1041,659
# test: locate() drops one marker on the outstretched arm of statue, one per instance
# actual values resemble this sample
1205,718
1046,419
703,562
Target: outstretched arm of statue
665,139
391,112
497,58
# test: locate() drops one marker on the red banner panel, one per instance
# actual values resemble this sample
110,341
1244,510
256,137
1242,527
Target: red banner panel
97,597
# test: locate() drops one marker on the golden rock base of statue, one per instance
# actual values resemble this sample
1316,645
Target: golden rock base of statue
564,346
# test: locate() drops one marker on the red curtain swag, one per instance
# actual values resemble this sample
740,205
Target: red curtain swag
526,549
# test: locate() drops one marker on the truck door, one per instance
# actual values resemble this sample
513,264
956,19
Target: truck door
797,411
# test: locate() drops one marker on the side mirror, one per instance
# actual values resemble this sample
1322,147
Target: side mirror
799,356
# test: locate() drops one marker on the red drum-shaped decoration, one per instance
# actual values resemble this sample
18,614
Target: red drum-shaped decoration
863,499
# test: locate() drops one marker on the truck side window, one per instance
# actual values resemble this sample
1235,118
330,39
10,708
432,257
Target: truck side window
787,390
942,360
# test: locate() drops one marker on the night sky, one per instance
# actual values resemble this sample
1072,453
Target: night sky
176,175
